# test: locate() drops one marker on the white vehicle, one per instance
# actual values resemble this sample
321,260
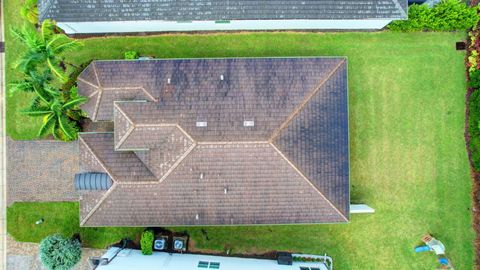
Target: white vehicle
127,259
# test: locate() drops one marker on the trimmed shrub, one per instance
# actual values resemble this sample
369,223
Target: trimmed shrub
448,15
474,129
130,55
147,242
59,253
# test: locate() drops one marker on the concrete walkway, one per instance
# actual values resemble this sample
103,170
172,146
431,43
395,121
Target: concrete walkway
41,170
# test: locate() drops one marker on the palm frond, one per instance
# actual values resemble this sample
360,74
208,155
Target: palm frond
28,61
46,29
74,102
47,125
29,11
70,45
18,34
56,131
41,111
20,86
56,70
68,127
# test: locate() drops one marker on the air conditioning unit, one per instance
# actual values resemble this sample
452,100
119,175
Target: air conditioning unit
179,244
160,243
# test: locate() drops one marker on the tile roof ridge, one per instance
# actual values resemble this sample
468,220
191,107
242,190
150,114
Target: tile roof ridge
308,181
94,154
178,162
130,129
100,93
100,202
148,94
89,83
90,213
299,108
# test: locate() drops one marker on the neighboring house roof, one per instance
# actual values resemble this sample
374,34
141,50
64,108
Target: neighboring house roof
274,149
202,10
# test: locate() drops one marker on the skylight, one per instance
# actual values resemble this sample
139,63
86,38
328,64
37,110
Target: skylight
201,124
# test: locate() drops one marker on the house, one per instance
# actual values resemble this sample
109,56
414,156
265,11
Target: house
215,142
114,16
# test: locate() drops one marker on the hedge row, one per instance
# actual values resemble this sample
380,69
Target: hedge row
447,15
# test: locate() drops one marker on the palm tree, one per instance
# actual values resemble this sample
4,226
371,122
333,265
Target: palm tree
44,47
35,82
29,11
59,114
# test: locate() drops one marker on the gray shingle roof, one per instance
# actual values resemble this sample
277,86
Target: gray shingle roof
201,10
291,167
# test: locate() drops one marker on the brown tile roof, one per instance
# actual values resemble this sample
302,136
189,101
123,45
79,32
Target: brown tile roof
291,166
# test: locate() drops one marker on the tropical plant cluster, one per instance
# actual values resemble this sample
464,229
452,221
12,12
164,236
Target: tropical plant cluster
146,242
447,15
59,253
44,71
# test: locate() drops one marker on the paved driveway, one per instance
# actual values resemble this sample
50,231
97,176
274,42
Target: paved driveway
41,170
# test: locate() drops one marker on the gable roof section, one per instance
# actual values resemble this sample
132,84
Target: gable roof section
261,188
251,87
311,138
224,173
203,10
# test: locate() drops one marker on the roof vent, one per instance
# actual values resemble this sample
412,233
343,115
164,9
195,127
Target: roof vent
168,80
196,216
248,123
201,175
201,124
221,77
225,190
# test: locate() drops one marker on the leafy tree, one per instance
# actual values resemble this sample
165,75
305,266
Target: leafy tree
60,111
146,242
44,48
29,11
59,253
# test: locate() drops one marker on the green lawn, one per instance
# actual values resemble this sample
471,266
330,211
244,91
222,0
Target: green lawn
408,157
60,217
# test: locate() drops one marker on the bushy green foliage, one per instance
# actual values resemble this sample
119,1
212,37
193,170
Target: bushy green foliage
474,129
147,242
448,15
45,49
130,55
59,253
474,79
59,109
29,11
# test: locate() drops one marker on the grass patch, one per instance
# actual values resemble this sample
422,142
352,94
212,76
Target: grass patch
62,218
408,157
